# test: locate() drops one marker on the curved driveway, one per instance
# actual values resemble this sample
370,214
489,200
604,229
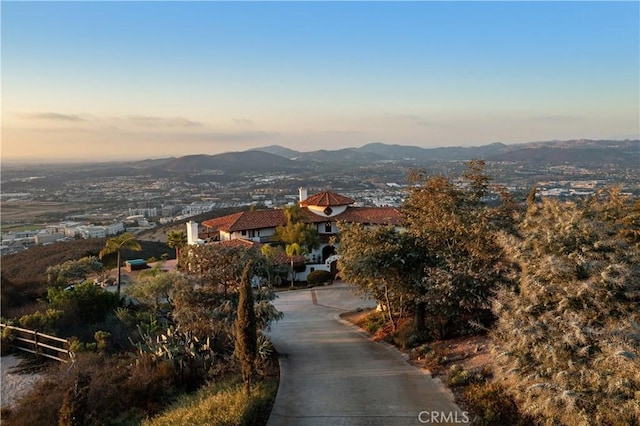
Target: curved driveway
331,374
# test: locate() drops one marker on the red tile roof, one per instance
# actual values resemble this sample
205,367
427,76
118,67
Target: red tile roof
273,218
222,223
327,198
370,216
248,220
239,242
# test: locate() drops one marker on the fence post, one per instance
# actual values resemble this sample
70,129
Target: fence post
35,342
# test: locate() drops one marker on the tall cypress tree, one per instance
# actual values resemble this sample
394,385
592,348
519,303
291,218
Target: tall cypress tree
246,330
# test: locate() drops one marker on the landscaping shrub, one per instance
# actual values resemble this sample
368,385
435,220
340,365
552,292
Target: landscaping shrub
319,277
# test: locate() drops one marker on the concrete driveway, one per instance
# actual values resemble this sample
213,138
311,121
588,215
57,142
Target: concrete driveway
332,374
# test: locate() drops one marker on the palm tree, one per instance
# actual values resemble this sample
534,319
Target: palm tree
176,239
116,244
292,251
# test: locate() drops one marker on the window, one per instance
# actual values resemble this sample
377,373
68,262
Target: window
252,233
327,227
244,232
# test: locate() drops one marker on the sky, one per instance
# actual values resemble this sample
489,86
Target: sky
102,81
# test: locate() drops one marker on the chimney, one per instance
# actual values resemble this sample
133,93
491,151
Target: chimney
303,193
192,233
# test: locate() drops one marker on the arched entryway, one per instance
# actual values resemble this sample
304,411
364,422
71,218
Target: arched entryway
327,251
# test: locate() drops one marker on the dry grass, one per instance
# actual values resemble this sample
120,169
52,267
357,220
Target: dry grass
222,404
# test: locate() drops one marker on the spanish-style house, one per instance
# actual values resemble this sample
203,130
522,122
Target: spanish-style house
323,211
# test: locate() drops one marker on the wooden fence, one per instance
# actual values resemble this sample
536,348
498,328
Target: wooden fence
37,343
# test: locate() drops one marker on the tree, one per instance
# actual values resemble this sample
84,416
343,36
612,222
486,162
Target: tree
246,330
567,335
463,262
380,262
84,303
152,289
296,231
176,239
292,251
219,265
73,271
115,245
276,265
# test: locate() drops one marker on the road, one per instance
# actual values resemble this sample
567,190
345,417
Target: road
332,374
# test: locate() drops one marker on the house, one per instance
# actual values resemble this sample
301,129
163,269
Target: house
323,211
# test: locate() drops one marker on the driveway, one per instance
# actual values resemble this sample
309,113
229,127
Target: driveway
332,374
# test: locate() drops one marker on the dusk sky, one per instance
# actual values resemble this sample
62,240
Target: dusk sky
132,80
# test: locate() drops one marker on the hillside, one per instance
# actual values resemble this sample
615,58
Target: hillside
39,258
583,150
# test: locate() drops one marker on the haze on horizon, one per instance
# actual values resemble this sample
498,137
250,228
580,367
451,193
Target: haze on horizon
99,81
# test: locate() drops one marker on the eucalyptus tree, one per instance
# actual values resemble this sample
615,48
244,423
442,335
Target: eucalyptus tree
568,335
116,245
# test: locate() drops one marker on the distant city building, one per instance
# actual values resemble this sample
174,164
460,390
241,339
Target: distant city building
83,230
197,208
45,237
146,212
167,211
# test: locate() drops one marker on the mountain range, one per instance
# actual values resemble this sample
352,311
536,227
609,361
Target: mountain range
552,151
278,159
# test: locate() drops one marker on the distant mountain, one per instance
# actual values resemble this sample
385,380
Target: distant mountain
278,150
394,152
579,151
230,162
548,152
349,155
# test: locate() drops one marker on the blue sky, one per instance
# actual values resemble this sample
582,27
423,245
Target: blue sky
107,80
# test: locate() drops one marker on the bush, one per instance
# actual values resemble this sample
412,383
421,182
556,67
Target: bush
319,277
84,303
113,393
45,322
223,403
371,322
458,376
405,335
492,406
568,334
